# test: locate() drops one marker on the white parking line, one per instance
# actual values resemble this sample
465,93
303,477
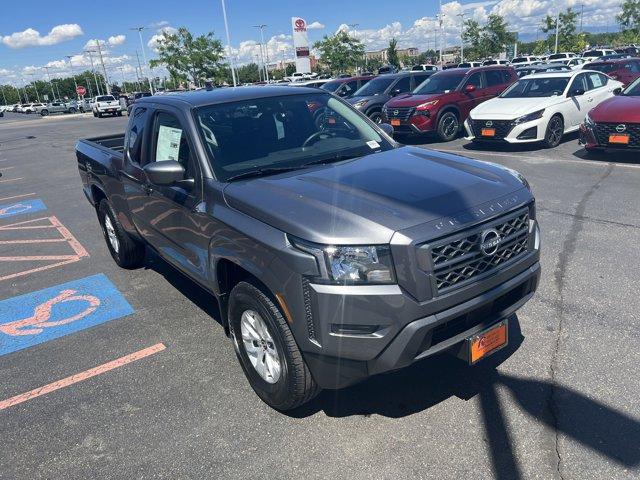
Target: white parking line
516,156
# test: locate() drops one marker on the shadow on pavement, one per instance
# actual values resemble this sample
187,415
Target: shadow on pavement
593,424
606,156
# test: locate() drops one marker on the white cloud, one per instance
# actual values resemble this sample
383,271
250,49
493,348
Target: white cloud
153,41
32,38
116,40
315,26
160,24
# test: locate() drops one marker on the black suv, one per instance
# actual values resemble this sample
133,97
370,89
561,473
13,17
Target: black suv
370,98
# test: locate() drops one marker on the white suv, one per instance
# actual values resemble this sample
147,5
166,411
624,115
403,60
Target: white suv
524,61
591,55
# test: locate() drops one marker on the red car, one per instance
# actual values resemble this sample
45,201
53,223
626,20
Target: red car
625,70
614,123
442,103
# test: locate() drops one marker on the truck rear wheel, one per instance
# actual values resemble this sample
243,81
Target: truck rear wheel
267,351
126,252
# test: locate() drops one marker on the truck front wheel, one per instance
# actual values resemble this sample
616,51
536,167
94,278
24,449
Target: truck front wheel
267,350
127,252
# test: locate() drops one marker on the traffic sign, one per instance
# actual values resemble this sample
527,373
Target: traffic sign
81,90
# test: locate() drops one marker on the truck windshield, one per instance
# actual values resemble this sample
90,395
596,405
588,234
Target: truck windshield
105,98
537,87
266,135
374,87
439,84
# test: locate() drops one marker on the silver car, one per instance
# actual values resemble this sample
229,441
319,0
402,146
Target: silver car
57,107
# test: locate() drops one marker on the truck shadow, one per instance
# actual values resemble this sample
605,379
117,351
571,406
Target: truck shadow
593,424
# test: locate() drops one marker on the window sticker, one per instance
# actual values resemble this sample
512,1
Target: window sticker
373,144
168,143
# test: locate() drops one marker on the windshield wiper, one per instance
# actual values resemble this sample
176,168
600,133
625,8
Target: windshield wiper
261,172
335,158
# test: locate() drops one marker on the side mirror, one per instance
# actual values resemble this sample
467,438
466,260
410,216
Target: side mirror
395,91
164,173
470,88
386,128
576,92
617,91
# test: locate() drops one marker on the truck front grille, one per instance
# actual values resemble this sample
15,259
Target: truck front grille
460,259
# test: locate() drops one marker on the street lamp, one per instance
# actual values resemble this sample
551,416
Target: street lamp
266,52
144,57
53,94
462,15
72,73
35,87
226,27
93,70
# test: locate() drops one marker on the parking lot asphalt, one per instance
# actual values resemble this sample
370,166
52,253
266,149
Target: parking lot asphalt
560,402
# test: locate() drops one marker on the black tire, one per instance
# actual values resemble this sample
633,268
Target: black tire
448,126
130,252
72,110
119,114
295,385
44,113
99,115
555,131
375,116
95,114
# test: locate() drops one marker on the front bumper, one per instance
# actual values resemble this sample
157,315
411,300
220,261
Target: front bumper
589,139
527,132
415,123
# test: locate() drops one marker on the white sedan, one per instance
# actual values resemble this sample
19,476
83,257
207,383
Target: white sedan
540,107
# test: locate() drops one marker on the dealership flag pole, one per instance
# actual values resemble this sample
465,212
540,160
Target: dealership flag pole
226,27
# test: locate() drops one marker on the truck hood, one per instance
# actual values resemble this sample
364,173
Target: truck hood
511,108
366,200
620,109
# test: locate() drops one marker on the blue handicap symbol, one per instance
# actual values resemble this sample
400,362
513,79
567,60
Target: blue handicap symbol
19,208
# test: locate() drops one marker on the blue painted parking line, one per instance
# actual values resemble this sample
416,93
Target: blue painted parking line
18,208
54,312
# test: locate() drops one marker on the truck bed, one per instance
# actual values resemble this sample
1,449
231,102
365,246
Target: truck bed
113,143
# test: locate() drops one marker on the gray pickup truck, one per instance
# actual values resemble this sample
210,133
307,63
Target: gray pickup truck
333,253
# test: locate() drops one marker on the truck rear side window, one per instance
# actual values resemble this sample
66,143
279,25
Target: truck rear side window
136,134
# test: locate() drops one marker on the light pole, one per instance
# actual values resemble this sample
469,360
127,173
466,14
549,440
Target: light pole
581,15
4,97
104,70
144,57
440,16
557,30
353,26
35,87
53,94
266,53
226,27
93,70
72,73
123,79
462,15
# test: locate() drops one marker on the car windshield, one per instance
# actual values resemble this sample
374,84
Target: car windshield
537,87
603,67
267,135
592,53
556,56
519,60
105,98
439,84
331,86
633,90
374,87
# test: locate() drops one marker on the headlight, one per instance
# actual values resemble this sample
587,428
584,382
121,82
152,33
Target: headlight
351,265
427,105
529,117
360,103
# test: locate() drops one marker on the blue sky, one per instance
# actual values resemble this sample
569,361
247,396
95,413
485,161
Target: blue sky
411,21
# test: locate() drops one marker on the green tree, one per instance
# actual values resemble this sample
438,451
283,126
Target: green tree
629,18
495,35
568,40
183,54
392,53
471,35
340,52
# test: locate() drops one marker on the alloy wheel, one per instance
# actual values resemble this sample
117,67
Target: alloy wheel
111,234
260,347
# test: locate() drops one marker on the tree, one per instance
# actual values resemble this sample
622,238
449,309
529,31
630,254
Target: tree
392,53
340,52
629,18
567,38
471,35
495,36
183,54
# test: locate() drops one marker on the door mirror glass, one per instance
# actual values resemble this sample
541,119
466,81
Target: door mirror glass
470,88
164,173
617,91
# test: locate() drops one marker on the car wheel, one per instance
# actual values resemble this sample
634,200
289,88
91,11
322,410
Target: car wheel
554,133
72,110
266,349
95,114
126,252
44,113
119,114
448,126
376,117
99,115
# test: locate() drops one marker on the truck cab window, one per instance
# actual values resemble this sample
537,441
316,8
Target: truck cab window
135,134
171,143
